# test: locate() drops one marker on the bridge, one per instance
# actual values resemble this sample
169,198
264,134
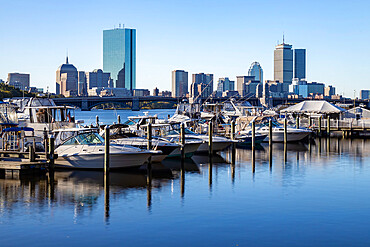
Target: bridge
87,103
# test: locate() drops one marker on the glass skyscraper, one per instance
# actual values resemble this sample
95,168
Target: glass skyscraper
300,64
119,56
256,71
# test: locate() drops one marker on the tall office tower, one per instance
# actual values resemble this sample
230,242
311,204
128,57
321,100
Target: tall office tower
223,85
97,78
283,64
119,53
202,85
18,80
365,94
67,79
82,87
256,70
300,64
179,83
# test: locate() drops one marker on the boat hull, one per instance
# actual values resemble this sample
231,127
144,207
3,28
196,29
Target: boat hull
190,149
292,136
216,146
96,161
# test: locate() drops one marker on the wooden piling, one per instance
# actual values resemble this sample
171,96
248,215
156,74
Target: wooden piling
320,125
118,119
210,135
46,147
97,121
106,150
270,132
328,126
51,152
285,130
253,134
232,134
149,136
182,140
297,122
31,154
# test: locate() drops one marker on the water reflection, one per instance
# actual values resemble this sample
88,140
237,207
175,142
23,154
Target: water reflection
82,189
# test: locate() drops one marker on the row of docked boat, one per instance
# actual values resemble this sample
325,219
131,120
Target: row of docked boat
83,148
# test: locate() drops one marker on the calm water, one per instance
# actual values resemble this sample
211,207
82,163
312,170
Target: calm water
310,195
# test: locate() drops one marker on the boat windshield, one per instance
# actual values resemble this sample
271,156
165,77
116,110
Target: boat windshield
132,121
177,132
85,139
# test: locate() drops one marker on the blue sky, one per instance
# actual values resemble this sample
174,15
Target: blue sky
219,37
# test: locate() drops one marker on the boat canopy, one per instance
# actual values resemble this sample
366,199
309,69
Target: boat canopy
313,106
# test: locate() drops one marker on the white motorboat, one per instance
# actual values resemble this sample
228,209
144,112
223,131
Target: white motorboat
84,149
262,128
218,143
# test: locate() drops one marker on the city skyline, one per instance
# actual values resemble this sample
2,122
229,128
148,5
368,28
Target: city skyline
322,31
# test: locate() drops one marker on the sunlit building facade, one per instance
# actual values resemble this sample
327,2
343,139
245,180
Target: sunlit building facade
119,56
256,71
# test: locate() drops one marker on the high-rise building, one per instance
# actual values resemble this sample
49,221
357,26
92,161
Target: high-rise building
300,64
18,80
283,63
256,71
67,79
155,91
223,85
82,87
179,83
329,91
119,53
365,94
97,78
202,85
247,86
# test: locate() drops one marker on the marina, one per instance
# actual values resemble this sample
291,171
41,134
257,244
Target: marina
256,179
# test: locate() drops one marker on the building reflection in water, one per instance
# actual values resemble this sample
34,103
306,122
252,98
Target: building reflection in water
83,189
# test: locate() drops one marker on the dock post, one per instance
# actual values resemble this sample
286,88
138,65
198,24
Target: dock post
106,150
309,121
210,135
320,125
182,140
270,132
118,119
46,147
297,122
328,127
97,121
51,152
31,154
285,130
253,134
149,136
232,135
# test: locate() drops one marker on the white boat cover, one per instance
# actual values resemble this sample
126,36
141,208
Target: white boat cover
313,106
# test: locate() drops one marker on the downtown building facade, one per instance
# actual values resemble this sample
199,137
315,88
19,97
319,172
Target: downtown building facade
179,83
224,85
202,85
247,86
256,70
119,56
67,80
19,80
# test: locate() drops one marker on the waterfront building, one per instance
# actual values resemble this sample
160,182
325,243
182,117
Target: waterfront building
329,91
223,85
82,86
155,91
300,64
140,92
67,79
119,56
19,80
247,86
179,83
109,91
365,94
283,64
305,89
97,78
202,85
165,94
256,71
